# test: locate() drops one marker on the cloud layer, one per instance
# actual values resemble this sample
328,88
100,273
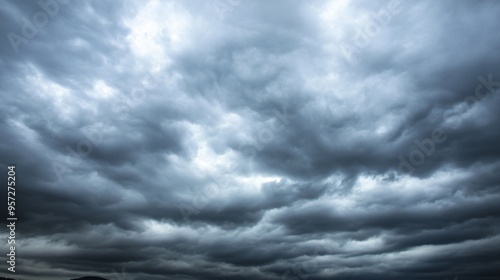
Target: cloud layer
253,140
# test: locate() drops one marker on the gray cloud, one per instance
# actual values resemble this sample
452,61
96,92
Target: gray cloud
248,140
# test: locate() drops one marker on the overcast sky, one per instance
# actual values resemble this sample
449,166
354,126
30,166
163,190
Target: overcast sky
254,140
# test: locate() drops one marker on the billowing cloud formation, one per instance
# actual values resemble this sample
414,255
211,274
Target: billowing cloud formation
252,139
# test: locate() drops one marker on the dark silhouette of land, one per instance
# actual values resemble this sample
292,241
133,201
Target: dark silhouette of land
89,278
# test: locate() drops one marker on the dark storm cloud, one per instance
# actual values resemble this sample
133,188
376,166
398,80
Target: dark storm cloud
249,140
